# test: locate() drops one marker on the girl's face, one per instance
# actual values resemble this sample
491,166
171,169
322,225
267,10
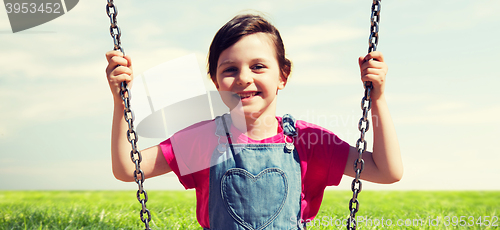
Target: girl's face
249,72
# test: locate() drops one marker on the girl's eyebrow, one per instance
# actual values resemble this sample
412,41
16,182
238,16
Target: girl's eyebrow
228,62
260,60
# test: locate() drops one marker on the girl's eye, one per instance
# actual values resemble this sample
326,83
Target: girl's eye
258,67
230,70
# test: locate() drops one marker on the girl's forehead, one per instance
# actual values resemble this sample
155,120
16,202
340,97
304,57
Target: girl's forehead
257,44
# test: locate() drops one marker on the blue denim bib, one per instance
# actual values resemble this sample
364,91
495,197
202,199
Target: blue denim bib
254,186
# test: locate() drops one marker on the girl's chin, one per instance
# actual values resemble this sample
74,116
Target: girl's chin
245,112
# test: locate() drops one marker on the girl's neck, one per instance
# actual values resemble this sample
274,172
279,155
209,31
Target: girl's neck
256,127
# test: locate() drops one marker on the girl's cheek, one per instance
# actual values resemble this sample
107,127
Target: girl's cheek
220,82
224,83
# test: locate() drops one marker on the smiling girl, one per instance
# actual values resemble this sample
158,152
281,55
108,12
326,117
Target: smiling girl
252,169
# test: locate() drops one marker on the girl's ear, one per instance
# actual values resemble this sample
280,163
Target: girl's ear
215,83
283,81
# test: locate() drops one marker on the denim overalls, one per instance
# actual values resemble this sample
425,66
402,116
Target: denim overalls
254,186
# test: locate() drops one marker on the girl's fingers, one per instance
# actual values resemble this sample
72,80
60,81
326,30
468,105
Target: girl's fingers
115,60
373,58
121,70
372,64
129,61
372,75
376,55
372,67
113,53
123,77
116,57
361,61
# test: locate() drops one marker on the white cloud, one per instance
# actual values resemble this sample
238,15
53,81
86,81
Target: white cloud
402,98
443,15
314,58
472,116
27,64
314,76
33,102
486,9
452,113
306,36
432,108
4,22
144,59
29,107
3,132
446,107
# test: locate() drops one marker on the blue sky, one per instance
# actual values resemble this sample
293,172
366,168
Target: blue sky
56,108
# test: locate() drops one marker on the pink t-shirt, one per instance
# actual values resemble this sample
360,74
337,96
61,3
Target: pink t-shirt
322,154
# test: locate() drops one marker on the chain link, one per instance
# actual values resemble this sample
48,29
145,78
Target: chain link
364,123
128,115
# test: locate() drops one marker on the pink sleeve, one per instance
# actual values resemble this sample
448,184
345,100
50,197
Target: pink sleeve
323,158
189,151
168,152
338,152
324,153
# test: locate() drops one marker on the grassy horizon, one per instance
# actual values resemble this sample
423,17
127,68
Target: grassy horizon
177,210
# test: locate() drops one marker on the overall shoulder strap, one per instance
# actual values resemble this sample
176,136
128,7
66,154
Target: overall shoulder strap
223,125
288,125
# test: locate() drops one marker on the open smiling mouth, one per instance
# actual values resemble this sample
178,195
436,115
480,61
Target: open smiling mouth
247,95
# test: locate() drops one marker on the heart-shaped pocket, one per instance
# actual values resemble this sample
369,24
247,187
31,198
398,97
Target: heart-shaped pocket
254,201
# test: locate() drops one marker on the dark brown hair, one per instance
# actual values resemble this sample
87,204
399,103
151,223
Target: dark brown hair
238,27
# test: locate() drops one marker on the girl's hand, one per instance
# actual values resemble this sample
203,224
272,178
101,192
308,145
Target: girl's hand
119,69
374,69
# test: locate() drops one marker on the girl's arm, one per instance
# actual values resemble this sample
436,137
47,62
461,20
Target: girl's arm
153,163
384,165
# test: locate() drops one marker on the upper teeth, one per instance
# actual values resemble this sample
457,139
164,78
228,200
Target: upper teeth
244,95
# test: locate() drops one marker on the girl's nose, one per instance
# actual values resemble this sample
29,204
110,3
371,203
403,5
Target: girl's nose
244,77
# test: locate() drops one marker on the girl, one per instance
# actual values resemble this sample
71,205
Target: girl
250,168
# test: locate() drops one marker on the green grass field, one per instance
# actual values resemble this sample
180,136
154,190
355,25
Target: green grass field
176,210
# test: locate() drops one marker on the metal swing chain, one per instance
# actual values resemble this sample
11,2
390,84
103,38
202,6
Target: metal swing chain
364,123
132,137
